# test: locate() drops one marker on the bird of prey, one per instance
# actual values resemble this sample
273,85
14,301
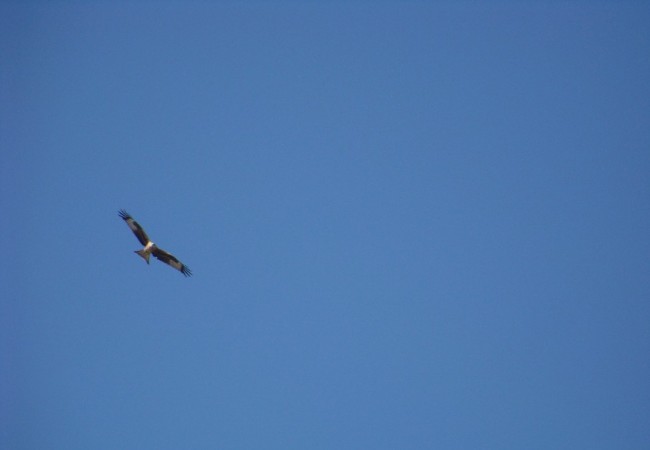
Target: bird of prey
152,249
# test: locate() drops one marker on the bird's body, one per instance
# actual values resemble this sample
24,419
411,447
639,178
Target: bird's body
152,249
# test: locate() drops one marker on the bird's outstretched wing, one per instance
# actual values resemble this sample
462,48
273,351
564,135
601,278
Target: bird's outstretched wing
170,259
135,227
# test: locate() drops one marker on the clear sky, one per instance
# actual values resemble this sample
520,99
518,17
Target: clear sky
411,225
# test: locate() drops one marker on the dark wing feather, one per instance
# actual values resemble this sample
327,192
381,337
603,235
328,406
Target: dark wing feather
135,227
170,259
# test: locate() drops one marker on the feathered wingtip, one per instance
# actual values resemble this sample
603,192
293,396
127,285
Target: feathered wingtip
186,271
124,215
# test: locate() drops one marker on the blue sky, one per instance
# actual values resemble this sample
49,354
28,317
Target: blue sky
411,225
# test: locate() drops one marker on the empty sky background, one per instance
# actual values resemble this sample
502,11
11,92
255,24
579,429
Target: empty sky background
411,225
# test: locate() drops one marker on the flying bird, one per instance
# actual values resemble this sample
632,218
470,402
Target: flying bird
152,249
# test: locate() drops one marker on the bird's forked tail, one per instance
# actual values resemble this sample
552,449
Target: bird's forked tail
144,255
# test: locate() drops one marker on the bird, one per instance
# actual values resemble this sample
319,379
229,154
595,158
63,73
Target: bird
150,248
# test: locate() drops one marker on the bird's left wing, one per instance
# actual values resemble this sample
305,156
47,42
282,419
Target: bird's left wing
135,227
170,259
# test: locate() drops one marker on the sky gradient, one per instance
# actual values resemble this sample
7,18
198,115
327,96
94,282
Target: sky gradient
410,225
